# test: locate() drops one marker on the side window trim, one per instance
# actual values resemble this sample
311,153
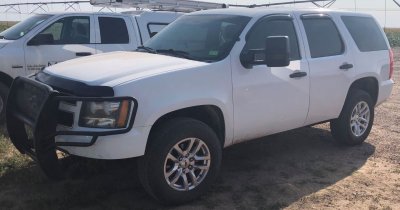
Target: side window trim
269,18
315,15
272,17
328,17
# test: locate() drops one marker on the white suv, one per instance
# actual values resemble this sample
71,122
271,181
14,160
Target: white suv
209,80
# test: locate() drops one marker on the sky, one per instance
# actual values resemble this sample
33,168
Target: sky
390,18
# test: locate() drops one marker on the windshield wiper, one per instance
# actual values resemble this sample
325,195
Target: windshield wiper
147,49
172,52
177,53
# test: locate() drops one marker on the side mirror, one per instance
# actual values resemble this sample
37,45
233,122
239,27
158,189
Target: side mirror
252,57
275,54
41,39
277,51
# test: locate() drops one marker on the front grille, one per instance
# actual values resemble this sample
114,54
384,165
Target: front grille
65,118
29,99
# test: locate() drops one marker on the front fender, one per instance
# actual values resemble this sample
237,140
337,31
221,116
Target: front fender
171,91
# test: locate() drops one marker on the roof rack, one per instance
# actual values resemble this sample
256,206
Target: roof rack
167,5
315,2
191,5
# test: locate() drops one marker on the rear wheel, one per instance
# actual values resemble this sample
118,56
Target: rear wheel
355,122
181,162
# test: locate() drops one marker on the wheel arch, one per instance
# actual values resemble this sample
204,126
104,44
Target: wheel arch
368,84
211,115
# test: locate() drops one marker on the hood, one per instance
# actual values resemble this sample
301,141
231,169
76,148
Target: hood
110,69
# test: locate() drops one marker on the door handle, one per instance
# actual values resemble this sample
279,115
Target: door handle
346,66
17,67
298,74
83,53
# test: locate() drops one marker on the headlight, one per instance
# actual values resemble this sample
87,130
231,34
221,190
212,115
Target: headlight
105,114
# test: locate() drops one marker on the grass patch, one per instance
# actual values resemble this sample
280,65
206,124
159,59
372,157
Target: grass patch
10,158
393,34
6,24
396,171
3,27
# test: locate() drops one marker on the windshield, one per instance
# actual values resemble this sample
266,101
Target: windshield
206,38
19,30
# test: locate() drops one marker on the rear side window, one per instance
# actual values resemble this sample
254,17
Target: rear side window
366,33
323,37
113,30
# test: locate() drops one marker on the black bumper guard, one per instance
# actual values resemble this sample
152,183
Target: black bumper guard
35,104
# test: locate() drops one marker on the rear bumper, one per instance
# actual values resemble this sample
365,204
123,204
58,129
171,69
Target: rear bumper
385,90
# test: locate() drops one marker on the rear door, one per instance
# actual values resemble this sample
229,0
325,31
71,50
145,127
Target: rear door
115,33
331,63
67,38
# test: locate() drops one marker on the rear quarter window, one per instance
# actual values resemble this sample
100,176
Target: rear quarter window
366,33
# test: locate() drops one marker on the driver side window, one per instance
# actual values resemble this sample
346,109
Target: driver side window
273,27
54,30
69,30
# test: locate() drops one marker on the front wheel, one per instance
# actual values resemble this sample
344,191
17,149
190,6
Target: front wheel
181,162
355,122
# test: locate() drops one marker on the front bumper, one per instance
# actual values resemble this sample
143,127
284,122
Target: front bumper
33,123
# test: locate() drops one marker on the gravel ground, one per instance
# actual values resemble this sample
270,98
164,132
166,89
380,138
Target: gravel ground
300,169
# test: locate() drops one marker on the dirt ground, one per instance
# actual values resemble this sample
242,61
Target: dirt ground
300,169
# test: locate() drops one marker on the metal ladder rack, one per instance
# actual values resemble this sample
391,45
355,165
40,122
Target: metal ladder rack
166,5
191,5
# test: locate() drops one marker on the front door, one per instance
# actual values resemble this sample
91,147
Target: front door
67,38
267,100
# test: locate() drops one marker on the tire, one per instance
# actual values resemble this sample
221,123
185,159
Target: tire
353,127
180,133
4,89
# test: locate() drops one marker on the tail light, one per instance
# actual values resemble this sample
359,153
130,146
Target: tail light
391,64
